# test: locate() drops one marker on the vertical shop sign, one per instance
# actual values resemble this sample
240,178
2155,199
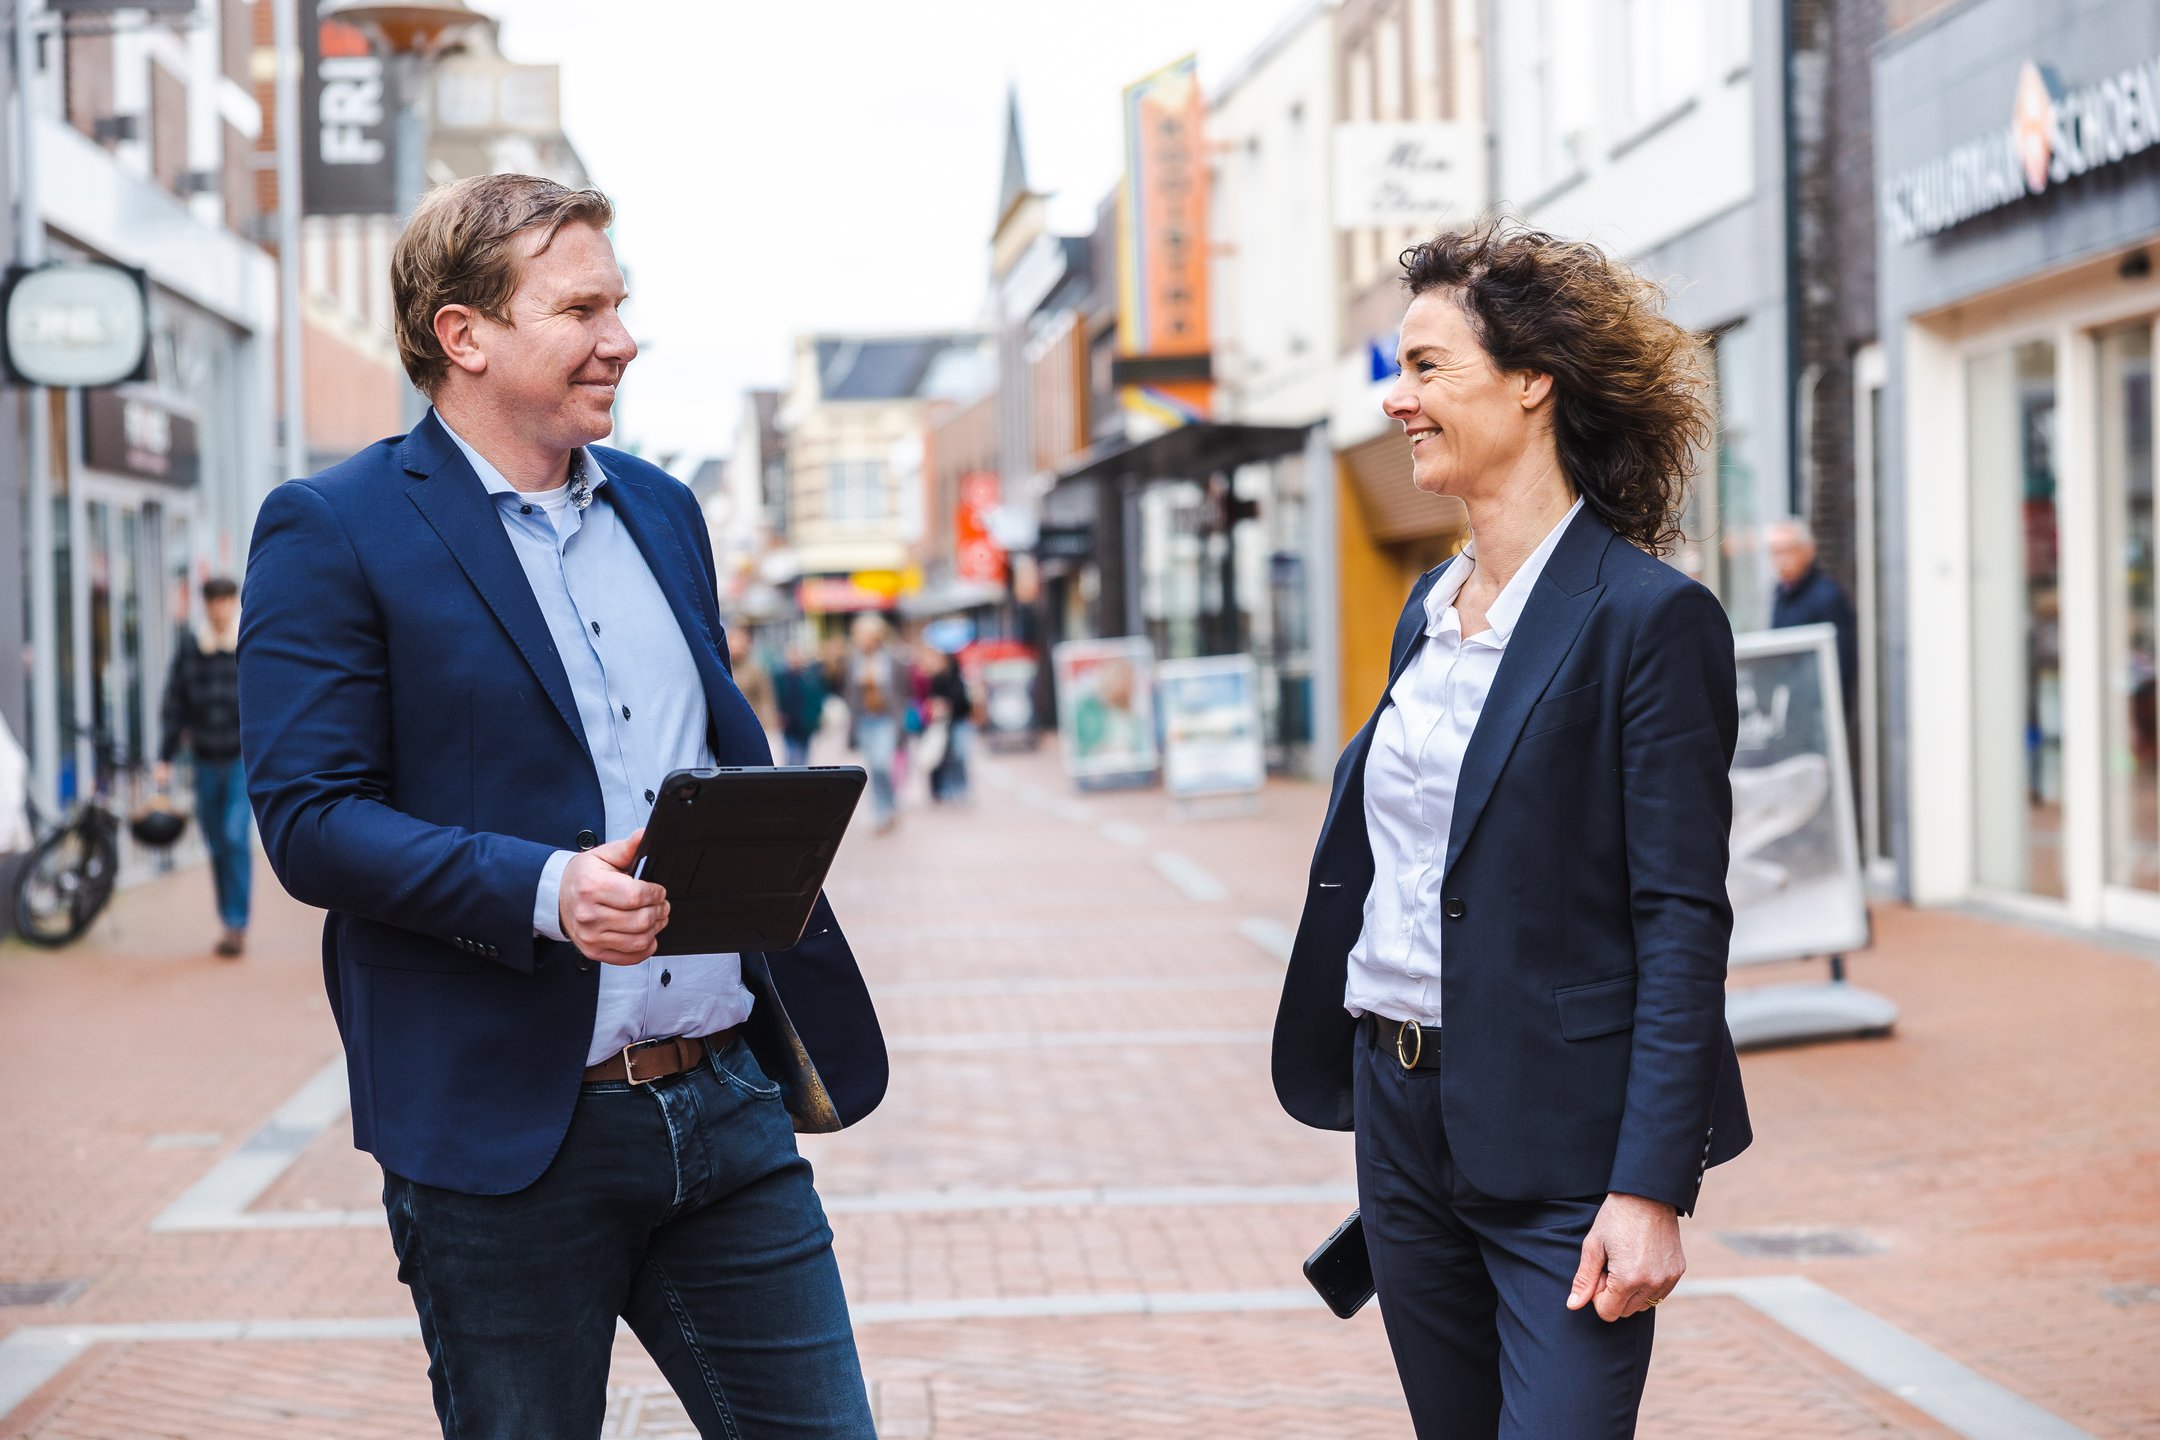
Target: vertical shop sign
349,111
1162,245
976,554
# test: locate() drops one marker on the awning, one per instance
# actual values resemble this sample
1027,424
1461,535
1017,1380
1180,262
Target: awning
1189,452
945,597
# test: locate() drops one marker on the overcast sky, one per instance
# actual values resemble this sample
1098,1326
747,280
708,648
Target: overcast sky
780,165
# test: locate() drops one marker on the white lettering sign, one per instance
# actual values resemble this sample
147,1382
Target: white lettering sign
352,103
1421,172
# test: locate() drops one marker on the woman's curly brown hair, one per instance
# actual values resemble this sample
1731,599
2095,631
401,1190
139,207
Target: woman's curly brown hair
1629,408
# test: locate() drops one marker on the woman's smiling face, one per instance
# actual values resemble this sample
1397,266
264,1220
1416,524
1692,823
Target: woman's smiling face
1469,424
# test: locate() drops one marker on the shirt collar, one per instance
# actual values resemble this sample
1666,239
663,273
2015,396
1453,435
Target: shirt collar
491,479
1508,608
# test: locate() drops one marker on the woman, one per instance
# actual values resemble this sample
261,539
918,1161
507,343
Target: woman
952,703
876,692
1509,975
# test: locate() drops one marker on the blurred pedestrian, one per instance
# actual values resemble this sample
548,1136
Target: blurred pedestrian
799,694
753,679
1561,706
472,655
1807,596
202,716
951,703
877,699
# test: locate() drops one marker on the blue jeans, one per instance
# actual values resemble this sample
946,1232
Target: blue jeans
681,1206
949,781
221,808
798,750
878,737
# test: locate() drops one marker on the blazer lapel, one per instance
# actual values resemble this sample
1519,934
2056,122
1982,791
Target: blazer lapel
1561,600
455,503
654,534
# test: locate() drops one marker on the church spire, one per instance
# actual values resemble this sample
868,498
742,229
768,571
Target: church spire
1015,185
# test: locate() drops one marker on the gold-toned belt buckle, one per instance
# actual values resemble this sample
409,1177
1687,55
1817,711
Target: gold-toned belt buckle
1415,1033
629,1070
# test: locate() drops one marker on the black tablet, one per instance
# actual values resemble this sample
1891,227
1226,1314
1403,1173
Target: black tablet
742,853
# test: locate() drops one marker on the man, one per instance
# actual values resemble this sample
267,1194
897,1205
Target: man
799,691
1806,596
202,714
469,656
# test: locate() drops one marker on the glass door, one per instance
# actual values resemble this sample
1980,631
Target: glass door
2017,628
2124,455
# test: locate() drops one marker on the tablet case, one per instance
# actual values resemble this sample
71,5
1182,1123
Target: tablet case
743,853
1341,1270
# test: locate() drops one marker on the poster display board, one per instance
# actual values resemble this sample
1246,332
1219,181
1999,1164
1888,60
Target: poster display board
1211,736
1106,710
1003,672
1795,877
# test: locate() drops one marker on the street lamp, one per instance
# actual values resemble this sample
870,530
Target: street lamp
410,37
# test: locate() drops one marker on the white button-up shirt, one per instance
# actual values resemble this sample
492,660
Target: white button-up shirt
1410,782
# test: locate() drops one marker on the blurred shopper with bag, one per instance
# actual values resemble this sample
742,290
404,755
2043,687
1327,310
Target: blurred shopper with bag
472,655
1523,865
202,715
951,704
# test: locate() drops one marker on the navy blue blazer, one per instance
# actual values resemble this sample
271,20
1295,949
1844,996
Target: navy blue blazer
414,756
1587,924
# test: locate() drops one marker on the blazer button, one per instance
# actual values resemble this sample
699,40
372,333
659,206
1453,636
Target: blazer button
586,840
1455,908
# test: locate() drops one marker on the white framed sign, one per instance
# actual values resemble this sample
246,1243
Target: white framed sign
1794,875
1407,172
1106,707
1212,743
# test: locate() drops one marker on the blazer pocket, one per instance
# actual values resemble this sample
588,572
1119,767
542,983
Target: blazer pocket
1601,1007
1556,712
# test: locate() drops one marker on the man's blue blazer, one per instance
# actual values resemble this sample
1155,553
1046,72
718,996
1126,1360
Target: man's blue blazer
414,755
1586,918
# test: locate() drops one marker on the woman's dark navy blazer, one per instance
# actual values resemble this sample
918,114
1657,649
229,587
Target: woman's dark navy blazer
1586,918
414,755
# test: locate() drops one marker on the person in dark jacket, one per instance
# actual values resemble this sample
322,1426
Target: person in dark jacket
1806,596
799,692
202,716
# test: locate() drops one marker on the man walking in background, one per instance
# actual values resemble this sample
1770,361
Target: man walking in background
471,656
202,715
1807,596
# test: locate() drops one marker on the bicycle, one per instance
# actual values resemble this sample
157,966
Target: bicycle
69,877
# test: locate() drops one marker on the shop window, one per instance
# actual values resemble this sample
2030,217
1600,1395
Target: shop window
1725,516
2017,628
2125,453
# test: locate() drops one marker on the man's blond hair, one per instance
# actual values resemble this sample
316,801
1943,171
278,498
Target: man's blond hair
460,248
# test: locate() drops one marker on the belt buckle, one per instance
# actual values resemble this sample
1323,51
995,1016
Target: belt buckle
1416,1033
629,1070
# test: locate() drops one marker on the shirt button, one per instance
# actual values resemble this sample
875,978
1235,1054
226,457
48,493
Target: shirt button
595,627
524,509
626,712
648,797
666,976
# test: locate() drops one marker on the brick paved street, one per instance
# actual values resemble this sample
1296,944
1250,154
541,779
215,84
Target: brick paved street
1079,1212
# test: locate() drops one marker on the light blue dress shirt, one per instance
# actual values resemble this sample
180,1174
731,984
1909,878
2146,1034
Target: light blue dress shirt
643,711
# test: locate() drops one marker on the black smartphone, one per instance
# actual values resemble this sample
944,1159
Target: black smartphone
1341,1270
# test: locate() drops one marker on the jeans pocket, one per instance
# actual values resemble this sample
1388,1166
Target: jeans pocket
739,1068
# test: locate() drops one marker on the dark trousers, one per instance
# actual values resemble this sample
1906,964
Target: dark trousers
1474,1290
681,1206
221,808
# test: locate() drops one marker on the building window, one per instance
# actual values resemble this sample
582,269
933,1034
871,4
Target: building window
2017,628
855,490
1665,56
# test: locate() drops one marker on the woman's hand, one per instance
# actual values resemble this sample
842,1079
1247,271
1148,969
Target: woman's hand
1631,1259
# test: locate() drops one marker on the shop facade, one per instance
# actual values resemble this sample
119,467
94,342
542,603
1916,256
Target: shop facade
2018,160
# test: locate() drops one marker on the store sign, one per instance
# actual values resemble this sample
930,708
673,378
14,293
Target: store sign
347,165
976,553
74,324
138,435
2054,135
841,595
1162,239
1423,173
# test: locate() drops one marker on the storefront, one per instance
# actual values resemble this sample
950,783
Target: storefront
2018,159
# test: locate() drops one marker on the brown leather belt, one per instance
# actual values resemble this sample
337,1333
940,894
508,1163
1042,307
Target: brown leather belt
649,1060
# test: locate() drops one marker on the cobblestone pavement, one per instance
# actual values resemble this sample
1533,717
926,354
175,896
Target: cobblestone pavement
1079,1212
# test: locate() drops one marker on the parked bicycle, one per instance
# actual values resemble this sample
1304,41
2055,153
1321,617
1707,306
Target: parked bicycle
72,868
